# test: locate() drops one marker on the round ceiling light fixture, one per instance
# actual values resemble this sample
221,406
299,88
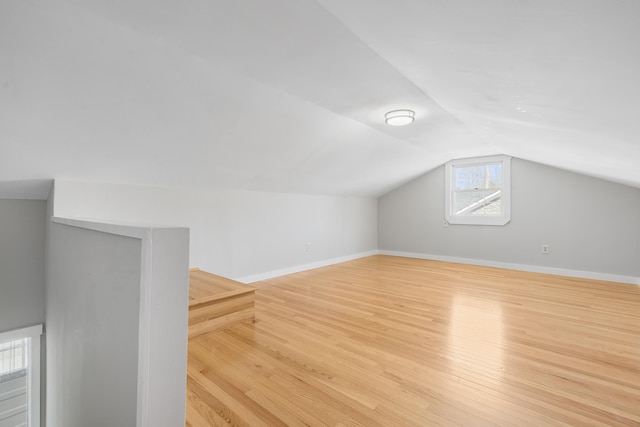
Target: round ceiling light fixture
399,117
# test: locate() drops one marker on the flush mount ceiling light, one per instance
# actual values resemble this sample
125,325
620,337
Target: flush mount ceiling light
399,117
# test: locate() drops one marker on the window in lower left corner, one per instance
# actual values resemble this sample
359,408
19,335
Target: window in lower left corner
20,377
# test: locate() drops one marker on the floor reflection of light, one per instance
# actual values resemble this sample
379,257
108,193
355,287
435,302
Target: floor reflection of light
476,335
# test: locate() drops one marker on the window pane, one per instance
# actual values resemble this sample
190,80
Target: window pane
14,386
13,357
20,377
478,189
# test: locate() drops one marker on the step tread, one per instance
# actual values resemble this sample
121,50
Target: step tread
216,302
203,284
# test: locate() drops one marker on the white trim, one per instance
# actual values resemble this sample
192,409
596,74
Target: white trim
472,261
126,229
33,373
18,334
303,267
521,267
144,331
468,219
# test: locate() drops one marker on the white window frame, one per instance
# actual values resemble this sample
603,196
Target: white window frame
33,370
469,219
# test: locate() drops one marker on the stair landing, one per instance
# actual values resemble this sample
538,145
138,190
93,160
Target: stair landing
216,302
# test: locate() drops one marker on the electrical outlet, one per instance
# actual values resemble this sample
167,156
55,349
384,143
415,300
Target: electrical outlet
308,246
545,249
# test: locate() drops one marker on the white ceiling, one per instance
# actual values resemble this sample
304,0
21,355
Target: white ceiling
289,95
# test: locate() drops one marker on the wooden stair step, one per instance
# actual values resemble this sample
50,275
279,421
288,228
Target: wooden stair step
216,302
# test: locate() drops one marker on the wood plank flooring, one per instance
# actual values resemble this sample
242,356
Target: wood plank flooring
389,341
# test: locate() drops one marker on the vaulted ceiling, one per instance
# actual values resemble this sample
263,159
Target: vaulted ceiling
289,95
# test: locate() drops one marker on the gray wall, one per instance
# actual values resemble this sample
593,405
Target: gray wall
590,224
236,234
93,285
22,243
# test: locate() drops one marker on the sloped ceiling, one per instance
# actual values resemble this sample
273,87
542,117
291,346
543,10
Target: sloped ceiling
289,96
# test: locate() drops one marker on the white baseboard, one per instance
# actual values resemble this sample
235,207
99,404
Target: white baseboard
521,267
303,267
485,263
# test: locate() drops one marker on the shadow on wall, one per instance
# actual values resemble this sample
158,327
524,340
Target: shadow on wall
34,189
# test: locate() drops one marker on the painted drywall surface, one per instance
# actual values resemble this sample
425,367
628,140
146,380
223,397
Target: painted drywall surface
159,314
93,286
166,308
236,233
590,224
22,263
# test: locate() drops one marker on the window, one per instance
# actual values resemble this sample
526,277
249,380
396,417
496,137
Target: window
20,377
478,191
13,357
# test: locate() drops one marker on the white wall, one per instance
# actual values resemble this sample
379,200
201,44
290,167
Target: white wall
116,313
92,328
22,242
238,234
591,225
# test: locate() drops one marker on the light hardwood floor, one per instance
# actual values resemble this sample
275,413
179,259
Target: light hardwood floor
388,341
